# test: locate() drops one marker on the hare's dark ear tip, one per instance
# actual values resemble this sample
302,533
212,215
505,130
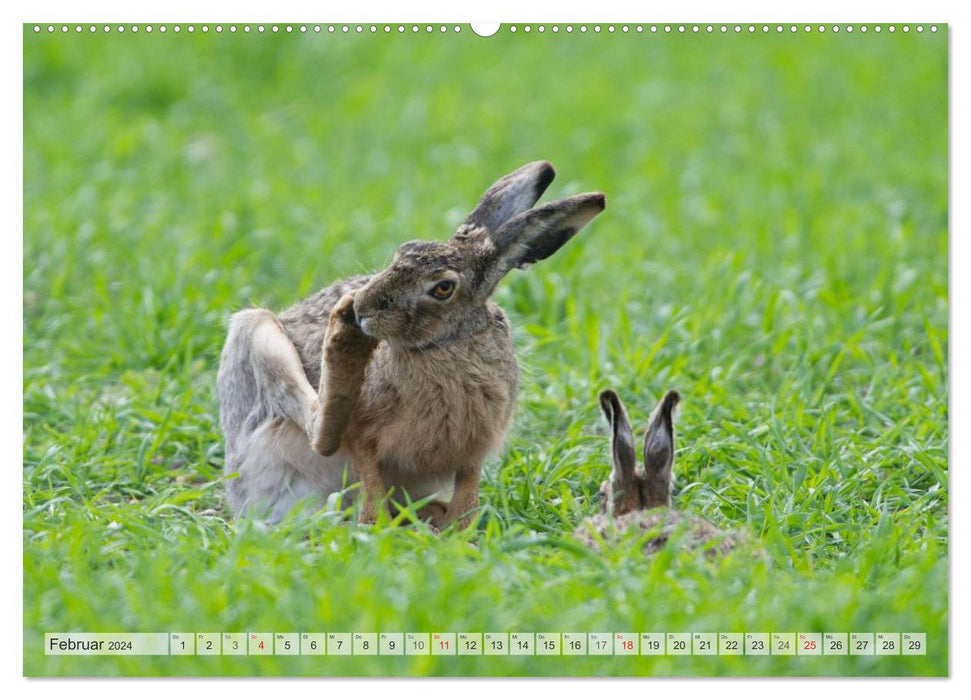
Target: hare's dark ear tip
543,167
670,401
608,403
608,397
542,172
594,202
546,174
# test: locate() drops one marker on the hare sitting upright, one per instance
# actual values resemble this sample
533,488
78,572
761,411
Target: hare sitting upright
642,500
403,380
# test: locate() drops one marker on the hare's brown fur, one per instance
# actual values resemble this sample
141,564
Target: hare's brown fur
660,523
404,380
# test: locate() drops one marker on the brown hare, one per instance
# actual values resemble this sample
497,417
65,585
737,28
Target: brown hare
642,499
403,380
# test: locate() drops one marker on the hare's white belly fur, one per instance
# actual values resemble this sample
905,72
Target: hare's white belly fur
278,470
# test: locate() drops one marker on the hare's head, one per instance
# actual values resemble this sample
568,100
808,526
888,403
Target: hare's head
629,488
434,292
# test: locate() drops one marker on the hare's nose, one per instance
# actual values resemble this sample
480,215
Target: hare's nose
363,322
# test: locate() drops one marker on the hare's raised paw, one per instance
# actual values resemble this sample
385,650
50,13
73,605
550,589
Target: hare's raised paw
343,311
346,354
344,338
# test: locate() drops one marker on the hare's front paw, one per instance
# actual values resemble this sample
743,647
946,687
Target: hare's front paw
344,341
435,514
346,354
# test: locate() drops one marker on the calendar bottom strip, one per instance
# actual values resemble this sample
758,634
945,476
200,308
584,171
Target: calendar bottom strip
486,644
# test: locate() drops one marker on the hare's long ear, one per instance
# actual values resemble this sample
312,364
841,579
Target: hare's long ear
510,195
622,451
535,235
659,452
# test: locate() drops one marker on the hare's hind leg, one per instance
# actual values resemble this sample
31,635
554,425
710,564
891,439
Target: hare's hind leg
260,375
267,410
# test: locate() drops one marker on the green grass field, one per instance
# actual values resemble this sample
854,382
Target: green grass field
775,248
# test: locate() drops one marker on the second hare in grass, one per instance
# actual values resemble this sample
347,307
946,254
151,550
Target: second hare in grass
641,498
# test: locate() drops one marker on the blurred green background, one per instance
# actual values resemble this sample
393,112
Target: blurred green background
774,247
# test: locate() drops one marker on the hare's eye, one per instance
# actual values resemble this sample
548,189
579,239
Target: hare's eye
443,290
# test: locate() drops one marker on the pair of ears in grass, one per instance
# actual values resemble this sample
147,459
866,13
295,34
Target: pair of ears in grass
651,484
